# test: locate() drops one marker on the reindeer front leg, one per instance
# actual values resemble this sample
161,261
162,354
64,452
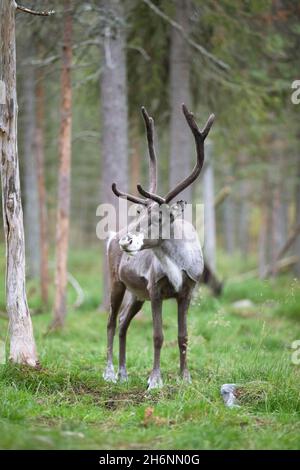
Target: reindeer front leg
183,303
155,380
116,298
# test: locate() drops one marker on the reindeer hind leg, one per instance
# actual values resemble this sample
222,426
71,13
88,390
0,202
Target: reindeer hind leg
130,310
116,298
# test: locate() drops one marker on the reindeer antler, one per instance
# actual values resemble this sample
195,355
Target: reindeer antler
136,200
149,124
149,195
200,137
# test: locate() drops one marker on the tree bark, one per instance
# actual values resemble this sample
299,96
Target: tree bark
63,203
135,160
297,222
114,148
22,345
209,209
180,138
31,208
278,203
243,217
40,171
229,215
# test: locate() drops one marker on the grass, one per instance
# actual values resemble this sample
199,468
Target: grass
68,405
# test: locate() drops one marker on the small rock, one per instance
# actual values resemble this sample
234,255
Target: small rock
243,304
228,393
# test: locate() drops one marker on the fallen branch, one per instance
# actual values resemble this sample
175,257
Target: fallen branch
284,249
77,287
280,266
34,12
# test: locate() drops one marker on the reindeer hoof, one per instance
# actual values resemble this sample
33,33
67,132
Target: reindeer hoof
155,381
109,374
122,375
186,376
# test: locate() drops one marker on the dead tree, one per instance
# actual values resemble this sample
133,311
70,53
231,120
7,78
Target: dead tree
63,201
22,344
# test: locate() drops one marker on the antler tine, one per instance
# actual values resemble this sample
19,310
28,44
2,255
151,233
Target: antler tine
149,124
136,200
200,137
149,195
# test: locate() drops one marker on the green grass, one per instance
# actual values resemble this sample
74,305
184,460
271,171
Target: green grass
68,405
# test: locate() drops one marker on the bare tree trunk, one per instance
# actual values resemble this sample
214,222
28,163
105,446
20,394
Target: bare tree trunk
22,345
40,168
297,198
243,218
209,209
278,205
266,249
63,203
180,139
114,114
31,208
229,218
135,161
262,242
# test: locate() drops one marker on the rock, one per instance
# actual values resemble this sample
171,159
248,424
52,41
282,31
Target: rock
228,393
243,304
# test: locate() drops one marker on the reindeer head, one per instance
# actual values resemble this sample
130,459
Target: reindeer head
155,215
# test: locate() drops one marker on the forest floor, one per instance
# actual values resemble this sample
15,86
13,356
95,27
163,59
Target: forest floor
67,405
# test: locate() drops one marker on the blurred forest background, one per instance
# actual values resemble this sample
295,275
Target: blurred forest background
234,58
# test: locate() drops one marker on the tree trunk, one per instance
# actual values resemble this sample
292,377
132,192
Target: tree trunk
114,115
31,208
278,204
22,345
243,218
40,169
63,203
180,138
297,197
135,160
209,209
229,217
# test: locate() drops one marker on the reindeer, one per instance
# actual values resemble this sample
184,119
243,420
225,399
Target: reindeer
155,268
